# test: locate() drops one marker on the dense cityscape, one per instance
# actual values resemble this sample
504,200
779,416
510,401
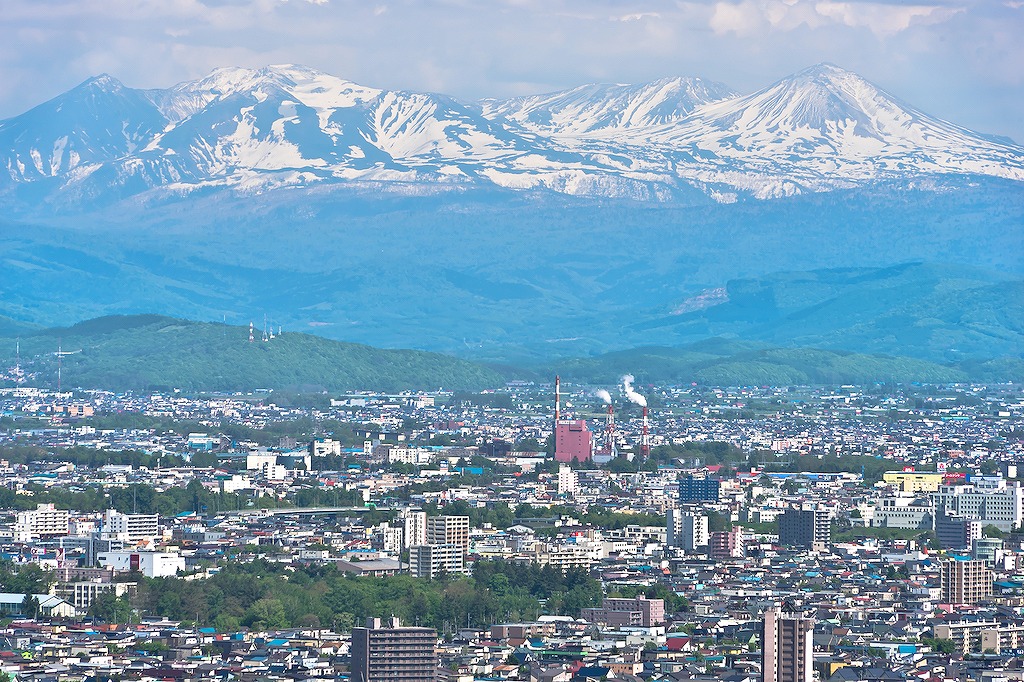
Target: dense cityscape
512,341
532,532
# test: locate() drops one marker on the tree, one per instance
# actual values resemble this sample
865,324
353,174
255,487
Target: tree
110,608
30,606
992,531
942,646
718,521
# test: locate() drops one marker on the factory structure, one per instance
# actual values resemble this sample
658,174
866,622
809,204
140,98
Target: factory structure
574,441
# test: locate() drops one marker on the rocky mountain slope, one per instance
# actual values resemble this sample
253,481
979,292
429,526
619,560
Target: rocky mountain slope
675,140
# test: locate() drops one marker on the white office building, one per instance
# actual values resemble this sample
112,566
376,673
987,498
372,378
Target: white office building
988,499
687,530
414,527
568,481
430,561
130,528
150,564
45,521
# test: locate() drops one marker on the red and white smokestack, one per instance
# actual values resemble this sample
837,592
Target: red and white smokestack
558,397
645,443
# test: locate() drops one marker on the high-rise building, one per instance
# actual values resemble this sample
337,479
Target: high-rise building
130,527
45,521
430,561
414,527
965,581
725,544
685,529
956,532
787,646
568,480
393,653
699,489
809,528
391,539
989,499
573,441
448,530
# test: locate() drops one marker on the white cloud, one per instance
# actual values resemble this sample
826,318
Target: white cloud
637,16
750,17
884,19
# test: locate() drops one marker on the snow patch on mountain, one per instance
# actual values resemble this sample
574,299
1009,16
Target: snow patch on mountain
602,107
250,129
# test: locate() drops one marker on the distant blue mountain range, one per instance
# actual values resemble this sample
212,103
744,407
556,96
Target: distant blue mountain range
819,211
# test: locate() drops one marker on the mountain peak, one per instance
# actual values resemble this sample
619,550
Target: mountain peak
103,81
822,69
601,107
285,124
830,77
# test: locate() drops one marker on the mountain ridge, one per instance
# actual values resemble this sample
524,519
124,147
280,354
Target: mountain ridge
253,130
156,352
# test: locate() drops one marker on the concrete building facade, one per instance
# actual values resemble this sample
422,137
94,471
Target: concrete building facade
393,653
573,441
965,581
786,646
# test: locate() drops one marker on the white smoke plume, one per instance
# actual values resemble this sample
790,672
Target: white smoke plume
633,396
603,395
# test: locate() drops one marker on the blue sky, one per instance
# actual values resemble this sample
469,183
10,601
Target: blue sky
959,60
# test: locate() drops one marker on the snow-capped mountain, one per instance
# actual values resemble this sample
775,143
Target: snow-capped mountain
820,128
255,129
97,122
602,107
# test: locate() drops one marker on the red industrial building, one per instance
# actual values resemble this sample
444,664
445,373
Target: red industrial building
573,440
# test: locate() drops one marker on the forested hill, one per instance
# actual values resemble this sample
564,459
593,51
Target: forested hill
151,352
141,352
724,362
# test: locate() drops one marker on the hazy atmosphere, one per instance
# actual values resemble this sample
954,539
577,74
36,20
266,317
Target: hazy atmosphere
958,59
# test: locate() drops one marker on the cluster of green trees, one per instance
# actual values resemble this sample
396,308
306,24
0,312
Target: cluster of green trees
87,457
872,467
264,594
27,579
145,499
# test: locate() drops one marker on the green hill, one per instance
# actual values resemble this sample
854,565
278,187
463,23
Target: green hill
143,352
140,352
933,312
724,362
